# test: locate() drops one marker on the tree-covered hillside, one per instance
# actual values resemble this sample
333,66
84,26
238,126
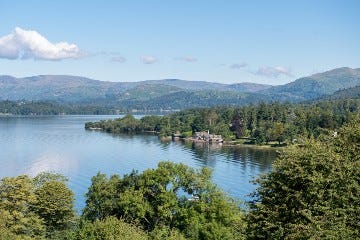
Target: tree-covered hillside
348,93
316,85
48,108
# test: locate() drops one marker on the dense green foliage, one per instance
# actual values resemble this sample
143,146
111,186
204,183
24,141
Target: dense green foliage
261,123
108,228
54,202
172,199
35,208
313,191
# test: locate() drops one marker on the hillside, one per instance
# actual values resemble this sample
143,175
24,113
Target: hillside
170,93
65,88
315,85
188,99
61,88
203,85
349,93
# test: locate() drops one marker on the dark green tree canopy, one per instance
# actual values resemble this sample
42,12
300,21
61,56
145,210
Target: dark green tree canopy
313,191
35,208
173,197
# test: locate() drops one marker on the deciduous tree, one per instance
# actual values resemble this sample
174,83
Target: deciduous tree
312,192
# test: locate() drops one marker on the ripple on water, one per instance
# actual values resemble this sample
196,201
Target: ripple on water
61,144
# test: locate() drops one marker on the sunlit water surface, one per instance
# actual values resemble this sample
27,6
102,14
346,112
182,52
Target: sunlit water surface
29,145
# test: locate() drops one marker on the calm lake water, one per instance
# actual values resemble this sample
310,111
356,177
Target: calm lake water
29,145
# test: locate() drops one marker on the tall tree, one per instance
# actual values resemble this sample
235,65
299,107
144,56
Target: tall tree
16,216
55,202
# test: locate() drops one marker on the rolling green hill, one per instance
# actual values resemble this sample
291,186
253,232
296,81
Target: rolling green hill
170,93
349,93
186,99
316,85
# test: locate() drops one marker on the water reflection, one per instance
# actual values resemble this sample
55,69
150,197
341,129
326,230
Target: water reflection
50,161
253,156
245,156
233,167
29,145
205,153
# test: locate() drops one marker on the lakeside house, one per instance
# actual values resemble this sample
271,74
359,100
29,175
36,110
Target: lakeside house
205,136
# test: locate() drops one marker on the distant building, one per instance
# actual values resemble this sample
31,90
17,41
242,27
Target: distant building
176,136
205,136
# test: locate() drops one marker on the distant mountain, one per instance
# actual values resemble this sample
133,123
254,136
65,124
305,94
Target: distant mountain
170,93
188,99
349,93
203,85
315,85
248,87
147,91
188,85
61,88
65,88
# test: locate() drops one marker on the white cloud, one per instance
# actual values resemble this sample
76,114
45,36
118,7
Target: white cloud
148,59
238,65
187,59
274,71
27,44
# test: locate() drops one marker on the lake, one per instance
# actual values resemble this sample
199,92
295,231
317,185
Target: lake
29,145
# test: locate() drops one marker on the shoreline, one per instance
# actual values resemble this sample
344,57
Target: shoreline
231,144
228,144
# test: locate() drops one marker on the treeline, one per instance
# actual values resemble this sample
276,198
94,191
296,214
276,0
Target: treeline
49,108
260,123
313,192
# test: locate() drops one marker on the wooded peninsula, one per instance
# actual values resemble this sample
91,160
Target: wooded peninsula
263,123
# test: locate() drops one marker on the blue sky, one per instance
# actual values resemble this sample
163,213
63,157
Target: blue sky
225,41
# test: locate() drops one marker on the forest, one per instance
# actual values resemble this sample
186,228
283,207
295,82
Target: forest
50,108
262,123
312,192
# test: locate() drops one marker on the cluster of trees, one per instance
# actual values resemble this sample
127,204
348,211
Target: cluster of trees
313,192
35,208
262,123
172,201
